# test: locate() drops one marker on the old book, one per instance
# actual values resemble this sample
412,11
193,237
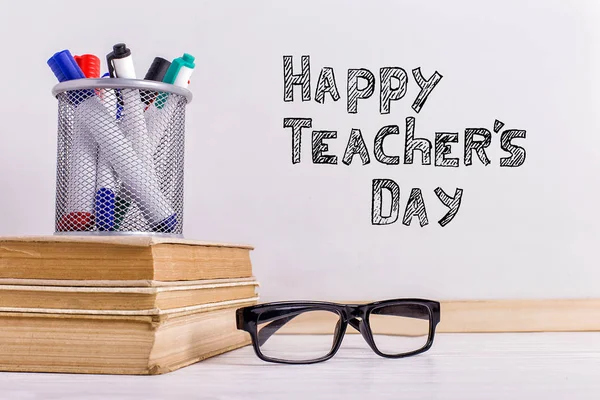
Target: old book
116,344
135,300
120,258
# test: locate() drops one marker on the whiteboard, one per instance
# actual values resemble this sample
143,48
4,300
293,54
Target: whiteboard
522,75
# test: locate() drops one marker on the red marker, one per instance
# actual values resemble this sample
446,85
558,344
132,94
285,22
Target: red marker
81,220
89,64
76,222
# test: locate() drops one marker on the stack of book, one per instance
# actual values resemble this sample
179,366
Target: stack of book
119,305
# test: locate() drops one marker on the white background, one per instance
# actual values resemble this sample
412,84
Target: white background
528,232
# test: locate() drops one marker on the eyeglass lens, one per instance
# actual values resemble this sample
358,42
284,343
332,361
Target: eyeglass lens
401,328
285,338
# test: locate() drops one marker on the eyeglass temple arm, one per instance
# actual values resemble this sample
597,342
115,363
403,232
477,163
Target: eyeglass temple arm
402,311
269,330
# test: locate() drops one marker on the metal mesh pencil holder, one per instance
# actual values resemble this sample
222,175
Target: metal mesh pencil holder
120,157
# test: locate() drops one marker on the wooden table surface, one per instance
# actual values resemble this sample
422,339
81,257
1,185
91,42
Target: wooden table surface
459,366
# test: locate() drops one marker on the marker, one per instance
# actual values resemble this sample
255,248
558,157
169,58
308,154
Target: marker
120,65
119,98
75,222
122,59
158,69
79,203
81,182
105,194
111,102
104,202
154,120
104,209
156,72
158,117
180,71
107,199
120,62
119,103
133,124
89,64
178,74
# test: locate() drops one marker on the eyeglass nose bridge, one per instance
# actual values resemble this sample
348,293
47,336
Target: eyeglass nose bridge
355,315
354,311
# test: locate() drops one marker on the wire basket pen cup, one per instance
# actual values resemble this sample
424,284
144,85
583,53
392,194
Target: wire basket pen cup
120,157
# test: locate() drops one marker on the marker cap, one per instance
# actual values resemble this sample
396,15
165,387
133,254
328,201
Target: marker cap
64,67
120,51
89,64
158,69
183,66
156,72
187,60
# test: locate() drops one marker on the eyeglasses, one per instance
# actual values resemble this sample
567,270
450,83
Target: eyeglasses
392,328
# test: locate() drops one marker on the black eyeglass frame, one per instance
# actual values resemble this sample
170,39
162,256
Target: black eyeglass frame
357,315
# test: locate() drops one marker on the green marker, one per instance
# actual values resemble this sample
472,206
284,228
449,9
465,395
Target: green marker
178,74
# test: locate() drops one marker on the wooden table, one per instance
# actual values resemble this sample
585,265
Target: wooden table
459,366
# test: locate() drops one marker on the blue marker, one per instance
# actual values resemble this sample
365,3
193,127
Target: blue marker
119,104
105,209
105,198
65,68
167,225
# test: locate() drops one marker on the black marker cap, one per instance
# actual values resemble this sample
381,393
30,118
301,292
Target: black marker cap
157,70
120,50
